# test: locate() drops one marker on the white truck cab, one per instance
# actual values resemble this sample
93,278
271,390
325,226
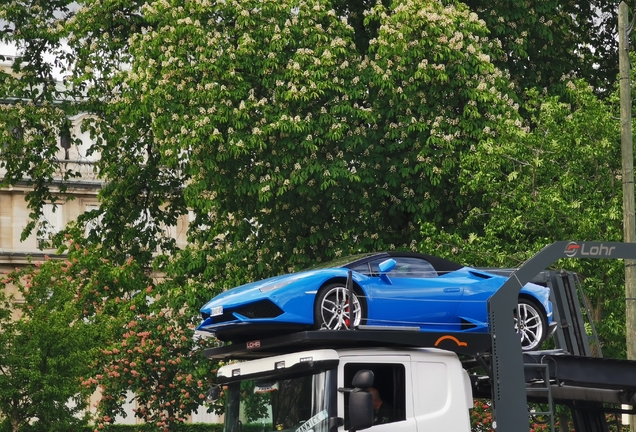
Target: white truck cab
421,389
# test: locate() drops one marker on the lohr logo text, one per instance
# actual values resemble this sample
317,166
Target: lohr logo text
583,250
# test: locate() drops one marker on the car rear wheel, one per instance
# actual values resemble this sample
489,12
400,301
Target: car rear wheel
332,309
531,324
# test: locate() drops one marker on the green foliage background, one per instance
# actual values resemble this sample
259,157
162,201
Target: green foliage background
290,132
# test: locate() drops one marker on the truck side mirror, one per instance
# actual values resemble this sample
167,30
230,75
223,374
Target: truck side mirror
361,401
213,393
363,379
335,423
360,410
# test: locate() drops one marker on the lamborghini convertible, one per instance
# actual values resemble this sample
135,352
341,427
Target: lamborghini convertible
391,289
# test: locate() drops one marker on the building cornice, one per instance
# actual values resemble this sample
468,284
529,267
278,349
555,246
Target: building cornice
22,258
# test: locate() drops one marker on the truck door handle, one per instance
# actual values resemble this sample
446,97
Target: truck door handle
451,290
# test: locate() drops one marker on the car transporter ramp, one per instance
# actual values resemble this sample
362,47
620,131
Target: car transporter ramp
589,386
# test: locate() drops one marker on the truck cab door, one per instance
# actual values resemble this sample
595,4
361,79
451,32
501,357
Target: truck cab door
392,381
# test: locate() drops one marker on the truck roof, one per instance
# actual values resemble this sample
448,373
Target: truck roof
319,360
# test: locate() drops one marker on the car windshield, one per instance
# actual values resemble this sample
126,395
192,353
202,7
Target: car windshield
293,405
340,262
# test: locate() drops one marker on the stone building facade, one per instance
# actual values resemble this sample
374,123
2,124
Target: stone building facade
14,215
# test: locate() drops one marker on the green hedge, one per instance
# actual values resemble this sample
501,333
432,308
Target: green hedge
188,427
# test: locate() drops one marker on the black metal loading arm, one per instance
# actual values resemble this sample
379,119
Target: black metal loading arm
509,396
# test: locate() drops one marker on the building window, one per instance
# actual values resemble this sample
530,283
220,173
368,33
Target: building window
92,224
65,139
51,222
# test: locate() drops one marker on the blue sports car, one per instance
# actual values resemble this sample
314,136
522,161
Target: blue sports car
396,289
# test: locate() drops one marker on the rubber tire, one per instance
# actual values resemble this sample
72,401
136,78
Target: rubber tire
534,307
324,291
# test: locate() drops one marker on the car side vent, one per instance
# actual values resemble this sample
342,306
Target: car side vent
480,275
466,325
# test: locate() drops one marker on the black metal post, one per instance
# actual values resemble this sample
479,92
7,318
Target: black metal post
351,304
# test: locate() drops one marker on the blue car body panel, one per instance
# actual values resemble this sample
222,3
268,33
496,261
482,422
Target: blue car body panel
455,298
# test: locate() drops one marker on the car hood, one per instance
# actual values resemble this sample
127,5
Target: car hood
254,290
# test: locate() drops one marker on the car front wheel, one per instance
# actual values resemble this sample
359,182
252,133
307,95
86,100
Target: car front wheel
332,310
531,324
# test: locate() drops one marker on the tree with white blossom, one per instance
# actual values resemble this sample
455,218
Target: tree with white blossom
289,132
284,141
293,145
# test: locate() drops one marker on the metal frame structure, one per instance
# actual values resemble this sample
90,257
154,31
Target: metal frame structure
471,344
510,408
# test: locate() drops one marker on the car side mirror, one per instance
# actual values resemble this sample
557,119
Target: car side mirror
385,267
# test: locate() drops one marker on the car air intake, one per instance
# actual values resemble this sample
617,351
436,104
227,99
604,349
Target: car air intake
259,309
480,275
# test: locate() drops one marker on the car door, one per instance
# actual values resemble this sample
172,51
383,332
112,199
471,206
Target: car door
414,295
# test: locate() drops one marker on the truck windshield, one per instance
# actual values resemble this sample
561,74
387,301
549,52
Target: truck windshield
295,404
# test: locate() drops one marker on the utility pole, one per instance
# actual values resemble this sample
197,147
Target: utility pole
627,153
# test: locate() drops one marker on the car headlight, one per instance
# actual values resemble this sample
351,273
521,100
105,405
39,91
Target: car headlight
275,286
